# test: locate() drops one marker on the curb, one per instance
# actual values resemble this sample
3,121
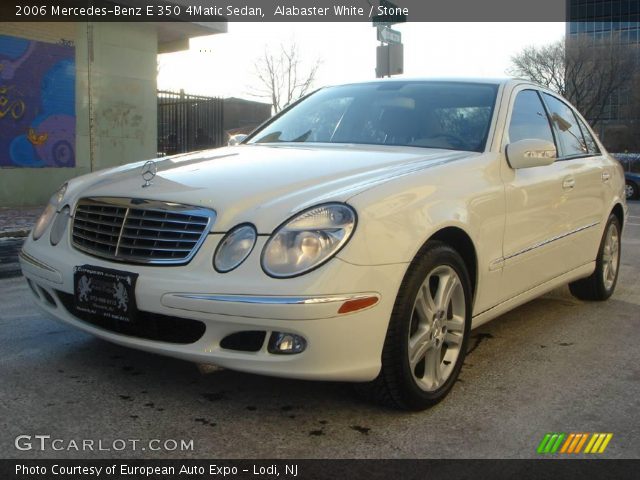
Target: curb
24,232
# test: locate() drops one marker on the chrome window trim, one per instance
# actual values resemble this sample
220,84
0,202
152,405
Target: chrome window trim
574,112
151,205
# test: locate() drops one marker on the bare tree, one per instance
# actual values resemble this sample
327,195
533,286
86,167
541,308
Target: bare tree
544,65
585,71
282,77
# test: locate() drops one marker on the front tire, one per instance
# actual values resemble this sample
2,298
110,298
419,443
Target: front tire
427,336
602,282
631,190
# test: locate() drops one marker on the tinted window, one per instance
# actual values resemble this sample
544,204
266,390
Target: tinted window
567,129
591,143
450,115
529,119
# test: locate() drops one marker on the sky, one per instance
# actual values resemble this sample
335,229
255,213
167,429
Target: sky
224,64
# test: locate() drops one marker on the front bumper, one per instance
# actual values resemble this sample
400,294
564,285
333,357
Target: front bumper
344,347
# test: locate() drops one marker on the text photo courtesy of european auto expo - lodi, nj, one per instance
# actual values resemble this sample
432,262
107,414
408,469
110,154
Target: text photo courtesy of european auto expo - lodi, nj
319,239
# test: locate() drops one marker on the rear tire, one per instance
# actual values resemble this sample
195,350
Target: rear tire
427,335
602,282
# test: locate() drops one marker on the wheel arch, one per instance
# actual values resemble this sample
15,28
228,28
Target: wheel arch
461,242
618,211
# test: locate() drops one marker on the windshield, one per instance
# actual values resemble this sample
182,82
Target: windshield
450,115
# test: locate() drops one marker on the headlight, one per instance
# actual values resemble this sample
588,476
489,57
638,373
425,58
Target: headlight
59,226
308,240
234,248
49,212
59,195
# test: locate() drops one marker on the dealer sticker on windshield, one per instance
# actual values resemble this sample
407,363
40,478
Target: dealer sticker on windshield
105,292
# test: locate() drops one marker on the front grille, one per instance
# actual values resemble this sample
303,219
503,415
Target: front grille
140,231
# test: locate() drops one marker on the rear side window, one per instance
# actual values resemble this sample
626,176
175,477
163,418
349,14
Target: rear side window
529,119
592,146
570,139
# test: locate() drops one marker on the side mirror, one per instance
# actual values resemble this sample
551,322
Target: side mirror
531,152
236,139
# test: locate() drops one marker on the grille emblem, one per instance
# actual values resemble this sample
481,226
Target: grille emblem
149,170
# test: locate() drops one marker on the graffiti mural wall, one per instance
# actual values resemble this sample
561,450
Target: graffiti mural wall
37,103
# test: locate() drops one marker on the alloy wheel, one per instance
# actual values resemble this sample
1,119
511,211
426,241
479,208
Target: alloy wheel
437,328
610,256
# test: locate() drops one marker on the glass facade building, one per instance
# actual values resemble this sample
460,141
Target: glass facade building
607,20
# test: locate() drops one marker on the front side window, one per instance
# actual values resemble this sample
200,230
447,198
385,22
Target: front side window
529,119
449,115
570,139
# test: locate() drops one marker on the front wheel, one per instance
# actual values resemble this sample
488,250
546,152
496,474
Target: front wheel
631,190
426,340
602,282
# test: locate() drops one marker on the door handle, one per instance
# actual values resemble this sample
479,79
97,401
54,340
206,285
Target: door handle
568,183
606,176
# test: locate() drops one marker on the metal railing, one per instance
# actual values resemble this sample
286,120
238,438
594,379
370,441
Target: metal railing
189,122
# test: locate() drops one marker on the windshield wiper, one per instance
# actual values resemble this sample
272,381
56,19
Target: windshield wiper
302,137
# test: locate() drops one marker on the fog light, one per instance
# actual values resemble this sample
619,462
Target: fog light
286,343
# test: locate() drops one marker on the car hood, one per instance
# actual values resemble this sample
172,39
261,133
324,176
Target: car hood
260,184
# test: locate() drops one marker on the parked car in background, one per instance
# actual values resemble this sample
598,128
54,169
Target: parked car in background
631,164
632,185
358,236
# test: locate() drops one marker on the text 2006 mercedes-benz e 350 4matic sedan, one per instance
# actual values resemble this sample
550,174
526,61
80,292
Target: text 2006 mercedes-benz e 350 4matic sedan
357,236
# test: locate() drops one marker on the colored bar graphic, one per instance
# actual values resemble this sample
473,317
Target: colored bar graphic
567,442
596,446
556,445
543,443
605,443
581,443
599,443
572,443
550,443
590,444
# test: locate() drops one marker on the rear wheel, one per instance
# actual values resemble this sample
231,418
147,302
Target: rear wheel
426,340
602,282
631,190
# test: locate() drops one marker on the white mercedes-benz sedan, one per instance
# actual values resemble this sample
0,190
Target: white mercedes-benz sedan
357,236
